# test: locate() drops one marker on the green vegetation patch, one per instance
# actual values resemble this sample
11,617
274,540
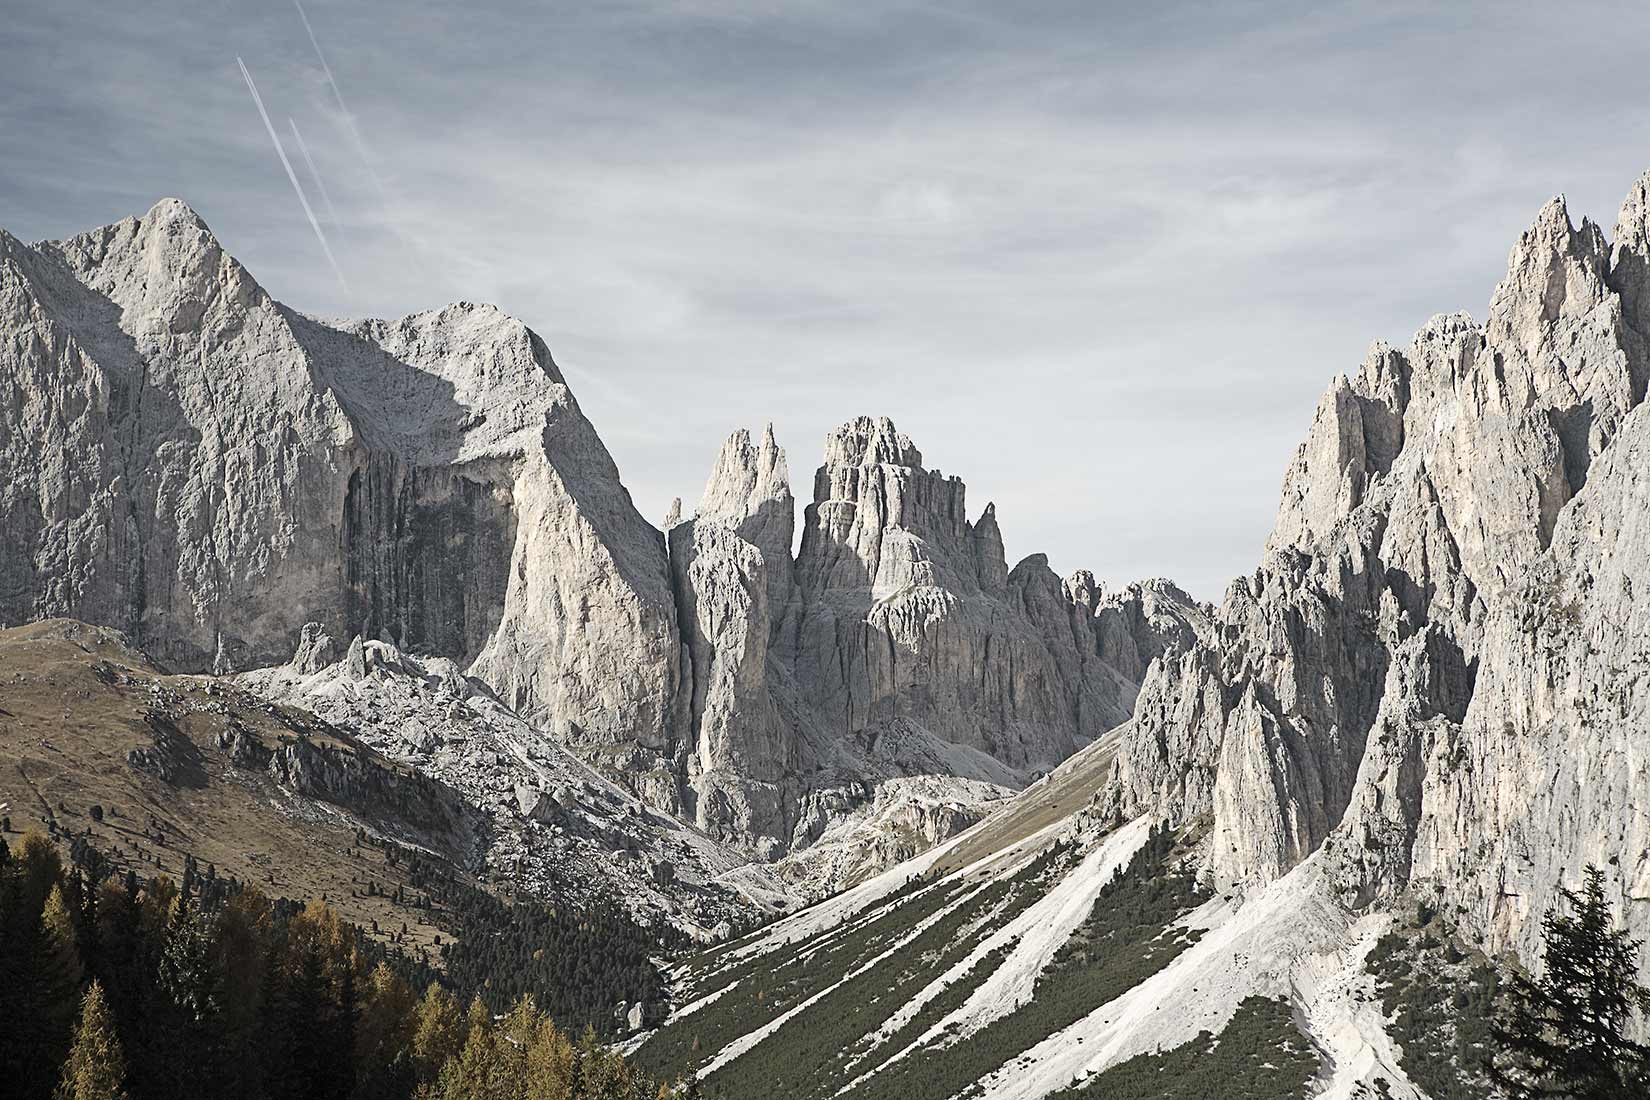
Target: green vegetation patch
1439,1002
1258,1055
813,1053
705,976
947,1001
767,987
808,1056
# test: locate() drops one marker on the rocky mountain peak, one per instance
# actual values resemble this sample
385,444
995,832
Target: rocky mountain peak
233,481
1555,270
1406,689
166,270
990,563
1630,255
225,469
870,441
749,490
879,520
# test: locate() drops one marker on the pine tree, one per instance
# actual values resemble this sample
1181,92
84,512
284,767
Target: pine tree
61,966
244,932
606,1075
192,1055
1565,1035
96,1067
57,975
187,963
471,1075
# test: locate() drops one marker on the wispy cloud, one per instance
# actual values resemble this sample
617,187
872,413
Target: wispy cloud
344,113
1100,260
297,187
314,172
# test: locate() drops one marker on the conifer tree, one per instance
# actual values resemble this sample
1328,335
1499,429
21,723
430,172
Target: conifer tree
244,932
438,1032
1565,1035
384,1036
56,979
550,1064
221,992
61,969
471,1075
96,1067
190,1042
40,868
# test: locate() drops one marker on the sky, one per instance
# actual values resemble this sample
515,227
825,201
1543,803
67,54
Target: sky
1098,259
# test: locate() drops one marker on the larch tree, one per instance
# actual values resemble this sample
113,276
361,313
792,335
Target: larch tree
96,1066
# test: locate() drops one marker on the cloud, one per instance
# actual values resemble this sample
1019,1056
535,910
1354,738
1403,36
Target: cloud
919,204
1099,260
303,200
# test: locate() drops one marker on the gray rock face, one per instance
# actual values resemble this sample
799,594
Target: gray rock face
909,610
1437,667
186,459
732,570
536,813
898,643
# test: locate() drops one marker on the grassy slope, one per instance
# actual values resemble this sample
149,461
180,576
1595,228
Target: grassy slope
1060,794
73,703
830,1043
1125,939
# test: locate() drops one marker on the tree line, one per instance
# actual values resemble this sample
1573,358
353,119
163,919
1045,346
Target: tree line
116,989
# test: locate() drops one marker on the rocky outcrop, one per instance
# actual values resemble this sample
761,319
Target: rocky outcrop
186,459
731,566
1435,674
910,611
544,821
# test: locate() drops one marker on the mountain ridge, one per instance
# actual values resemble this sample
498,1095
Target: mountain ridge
222,474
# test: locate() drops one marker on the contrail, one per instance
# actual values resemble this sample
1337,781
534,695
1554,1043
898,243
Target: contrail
343,108
290,174
314,173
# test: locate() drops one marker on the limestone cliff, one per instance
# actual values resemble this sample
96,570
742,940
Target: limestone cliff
229,481
1437,672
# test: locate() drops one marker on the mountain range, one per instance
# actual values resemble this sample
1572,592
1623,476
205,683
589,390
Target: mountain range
1422,713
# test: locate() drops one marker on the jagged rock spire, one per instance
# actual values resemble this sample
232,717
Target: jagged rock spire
879,521
749,491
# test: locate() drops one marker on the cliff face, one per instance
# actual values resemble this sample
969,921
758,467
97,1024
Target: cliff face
1438,667
897,643
190,461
